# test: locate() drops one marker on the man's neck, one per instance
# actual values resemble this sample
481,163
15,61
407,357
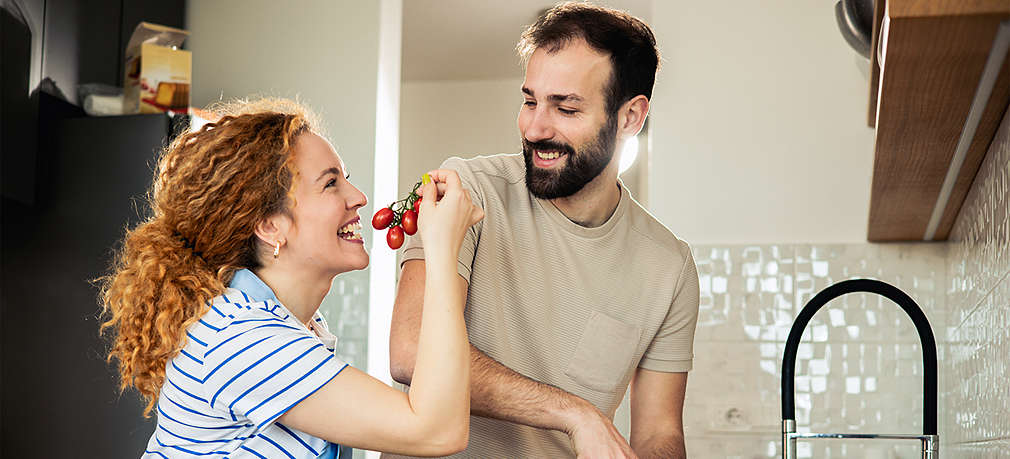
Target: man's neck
298,294
593,205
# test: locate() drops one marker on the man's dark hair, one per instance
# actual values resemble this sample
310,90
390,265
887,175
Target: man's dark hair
629,41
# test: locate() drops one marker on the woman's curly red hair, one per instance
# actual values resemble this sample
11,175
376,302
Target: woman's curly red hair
212,187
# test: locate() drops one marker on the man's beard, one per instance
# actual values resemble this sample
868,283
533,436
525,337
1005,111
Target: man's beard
580,167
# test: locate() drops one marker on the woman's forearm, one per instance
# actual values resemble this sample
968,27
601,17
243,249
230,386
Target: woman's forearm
440,389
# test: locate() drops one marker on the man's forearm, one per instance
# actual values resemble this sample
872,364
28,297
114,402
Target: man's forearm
662,447
499,392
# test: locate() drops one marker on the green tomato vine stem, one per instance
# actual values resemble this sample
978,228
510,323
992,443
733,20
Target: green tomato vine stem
403,205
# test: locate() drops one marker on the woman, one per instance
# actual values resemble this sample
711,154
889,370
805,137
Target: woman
214,301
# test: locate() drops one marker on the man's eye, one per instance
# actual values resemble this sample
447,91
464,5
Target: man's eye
530,103
566,111
332,182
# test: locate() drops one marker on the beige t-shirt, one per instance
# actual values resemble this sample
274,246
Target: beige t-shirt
578,308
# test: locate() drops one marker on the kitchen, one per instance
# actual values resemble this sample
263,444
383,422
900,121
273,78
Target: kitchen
786,158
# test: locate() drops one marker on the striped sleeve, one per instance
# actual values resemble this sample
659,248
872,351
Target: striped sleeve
259,367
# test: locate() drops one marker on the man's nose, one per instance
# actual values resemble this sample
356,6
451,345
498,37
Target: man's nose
539,128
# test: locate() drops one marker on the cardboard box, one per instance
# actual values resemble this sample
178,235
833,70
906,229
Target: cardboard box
158,74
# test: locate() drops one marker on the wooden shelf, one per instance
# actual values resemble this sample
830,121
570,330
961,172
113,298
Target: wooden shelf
933,60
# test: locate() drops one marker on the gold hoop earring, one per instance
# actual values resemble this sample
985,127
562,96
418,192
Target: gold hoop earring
277,249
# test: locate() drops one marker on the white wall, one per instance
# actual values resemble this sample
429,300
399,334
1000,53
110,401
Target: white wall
324,52
759,124
440,119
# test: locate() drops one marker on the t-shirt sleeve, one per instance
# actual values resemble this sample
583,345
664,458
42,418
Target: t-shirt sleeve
262,366
467,251
672,349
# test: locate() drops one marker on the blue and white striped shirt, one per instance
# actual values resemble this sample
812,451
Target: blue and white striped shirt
246,362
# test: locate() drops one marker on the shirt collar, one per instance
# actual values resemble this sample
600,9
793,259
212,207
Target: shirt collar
245,281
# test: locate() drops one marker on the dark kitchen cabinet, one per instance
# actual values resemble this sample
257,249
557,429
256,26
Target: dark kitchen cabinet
59,396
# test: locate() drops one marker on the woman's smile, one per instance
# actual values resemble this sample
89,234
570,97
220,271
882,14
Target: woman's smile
351,231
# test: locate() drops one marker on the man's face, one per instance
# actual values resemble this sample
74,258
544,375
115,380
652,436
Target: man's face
568,136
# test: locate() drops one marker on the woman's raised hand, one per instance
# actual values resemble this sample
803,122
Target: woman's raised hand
443,224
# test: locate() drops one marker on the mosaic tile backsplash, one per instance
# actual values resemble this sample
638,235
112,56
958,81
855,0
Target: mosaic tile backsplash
976,394
858,368
345,309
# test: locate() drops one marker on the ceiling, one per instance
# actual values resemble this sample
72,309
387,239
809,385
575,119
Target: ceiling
474,40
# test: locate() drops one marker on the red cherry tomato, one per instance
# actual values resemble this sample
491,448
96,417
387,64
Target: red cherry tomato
409,222
382,218
417,206
395,237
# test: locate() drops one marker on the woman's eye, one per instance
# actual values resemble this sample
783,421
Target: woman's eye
332,182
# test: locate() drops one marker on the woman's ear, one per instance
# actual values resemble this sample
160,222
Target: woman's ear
273,229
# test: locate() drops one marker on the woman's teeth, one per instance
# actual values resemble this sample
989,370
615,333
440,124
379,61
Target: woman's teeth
350,231
548,154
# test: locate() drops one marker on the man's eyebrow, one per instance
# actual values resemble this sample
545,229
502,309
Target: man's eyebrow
332,170
565,97
572,97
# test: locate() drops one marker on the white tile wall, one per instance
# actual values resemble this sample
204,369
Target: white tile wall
859,367
346,311
976,382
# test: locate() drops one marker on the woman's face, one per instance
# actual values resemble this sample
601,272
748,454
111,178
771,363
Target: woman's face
325,234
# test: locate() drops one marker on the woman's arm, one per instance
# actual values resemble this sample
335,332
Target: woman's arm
357,410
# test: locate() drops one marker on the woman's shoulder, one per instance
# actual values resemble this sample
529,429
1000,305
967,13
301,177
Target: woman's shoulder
234,312
234,302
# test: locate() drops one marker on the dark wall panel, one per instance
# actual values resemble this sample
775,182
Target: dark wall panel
99,51
58,391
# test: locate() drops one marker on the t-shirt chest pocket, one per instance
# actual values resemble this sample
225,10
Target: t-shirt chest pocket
605,353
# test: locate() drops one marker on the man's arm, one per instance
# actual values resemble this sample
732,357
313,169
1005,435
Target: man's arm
657,408
497,391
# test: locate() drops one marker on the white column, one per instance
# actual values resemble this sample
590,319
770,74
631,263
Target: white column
382,274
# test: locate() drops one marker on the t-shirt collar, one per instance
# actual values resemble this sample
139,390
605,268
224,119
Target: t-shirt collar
591,233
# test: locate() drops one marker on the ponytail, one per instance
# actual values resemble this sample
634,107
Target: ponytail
161,288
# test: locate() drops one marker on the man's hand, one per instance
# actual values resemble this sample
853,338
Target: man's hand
593,436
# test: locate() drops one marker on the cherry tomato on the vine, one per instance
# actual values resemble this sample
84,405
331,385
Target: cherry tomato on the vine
417,205
409,222
395,237
382,218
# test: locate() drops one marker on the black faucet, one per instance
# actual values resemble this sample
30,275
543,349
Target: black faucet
929,437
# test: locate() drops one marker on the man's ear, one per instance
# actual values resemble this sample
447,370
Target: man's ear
273,229
631,116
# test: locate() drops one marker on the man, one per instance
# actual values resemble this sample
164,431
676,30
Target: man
573,289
